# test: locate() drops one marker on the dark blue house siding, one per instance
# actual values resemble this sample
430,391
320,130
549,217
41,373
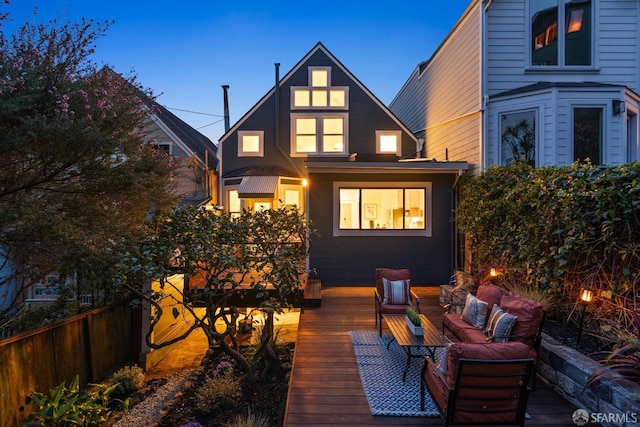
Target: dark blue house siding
353,260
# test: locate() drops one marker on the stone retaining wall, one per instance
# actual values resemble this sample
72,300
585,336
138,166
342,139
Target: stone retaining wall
612,403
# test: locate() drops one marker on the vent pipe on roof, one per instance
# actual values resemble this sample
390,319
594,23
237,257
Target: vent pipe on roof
276,97
225,89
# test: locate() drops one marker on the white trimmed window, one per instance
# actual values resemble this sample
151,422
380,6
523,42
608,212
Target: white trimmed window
382,209
388,142
163,147
561,33
319,94
319,134
250,143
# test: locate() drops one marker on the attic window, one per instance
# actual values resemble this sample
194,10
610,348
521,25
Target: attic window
319,94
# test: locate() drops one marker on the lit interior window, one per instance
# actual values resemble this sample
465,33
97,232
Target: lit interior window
319,78
305,134
337,98
319,98
388,143
301,98
234,201
382,208
292,197
349,209
333,134
251,143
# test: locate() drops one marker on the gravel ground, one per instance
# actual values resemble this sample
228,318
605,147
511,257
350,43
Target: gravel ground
148,412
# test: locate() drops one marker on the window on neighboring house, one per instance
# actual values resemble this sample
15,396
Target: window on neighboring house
381,208
518,137
163,147
587,134
319,134
251,143
388,142
568,44
632,137
319,94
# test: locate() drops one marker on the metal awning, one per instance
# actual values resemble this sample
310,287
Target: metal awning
255,187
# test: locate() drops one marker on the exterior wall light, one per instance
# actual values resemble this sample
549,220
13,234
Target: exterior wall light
618,107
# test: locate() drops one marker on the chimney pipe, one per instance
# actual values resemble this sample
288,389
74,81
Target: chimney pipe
276,97
225,89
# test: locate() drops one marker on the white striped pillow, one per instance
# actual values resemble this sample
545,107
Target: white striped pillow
396,292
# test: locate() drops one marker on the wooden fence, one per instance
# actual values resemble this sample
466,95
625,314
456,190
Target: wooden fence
90,345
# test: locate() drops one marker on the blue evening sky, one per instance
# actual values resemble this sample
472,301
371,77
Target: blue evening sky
185,50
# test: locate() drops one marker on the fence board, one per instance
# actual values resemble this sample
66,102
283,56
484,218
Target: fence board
90,345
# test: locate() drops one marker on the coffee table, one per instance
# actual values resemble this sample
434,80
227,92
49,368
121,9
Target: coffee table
431,339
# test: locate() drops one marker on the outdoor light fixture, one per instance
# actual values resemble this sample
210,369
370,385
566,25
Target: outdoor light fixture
493,272
618,106
586,296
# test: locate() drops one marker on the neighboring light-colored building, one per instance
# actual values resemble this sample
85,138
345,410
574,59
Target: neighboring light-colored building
550,81
322,141
196,178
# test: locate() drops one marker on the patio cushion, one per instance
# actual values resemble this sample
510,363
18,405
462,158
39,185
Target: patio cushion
461,329
475,312
484,350
396,291
490,293
529,315
499,324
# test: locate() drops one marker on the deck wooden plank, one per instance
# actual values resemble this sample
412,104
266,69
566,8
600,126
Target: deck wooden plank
325,388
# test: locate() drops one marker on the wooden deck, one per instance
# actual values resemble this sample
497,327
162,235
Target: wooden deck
325,388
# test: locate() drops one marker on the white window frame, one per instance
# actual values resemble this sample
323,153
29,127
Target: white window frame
426,232
328,88
318,151
259,134
536,113
603,132
397,134
561,40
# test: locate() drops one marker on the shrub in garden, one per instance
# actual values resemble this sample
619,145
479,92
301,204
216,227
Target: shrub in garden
128,379
71,406
249,420
221,389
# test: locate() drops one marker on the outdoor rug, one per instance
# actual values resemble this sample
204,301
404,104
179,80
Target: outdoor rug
381,375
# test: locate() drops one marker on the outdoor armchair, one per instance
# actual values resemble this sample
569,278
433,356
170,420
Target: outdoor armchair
393,293
489,388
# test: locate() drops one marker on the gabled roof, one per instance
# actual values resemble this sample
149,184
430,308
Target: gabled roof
196,142
318,47
177,129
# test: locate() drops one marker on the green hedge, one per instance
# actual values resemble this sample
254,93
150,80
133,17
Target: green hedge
556,226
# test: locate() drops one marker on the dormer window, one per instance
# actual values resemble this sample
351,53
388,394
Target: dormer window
319,94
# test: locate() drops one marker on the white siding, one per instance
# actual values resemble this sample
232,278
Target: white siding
616,47
444,100
554,126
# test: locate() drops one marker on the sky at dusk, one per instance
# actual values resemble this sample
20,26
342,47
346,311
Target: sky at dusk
186,50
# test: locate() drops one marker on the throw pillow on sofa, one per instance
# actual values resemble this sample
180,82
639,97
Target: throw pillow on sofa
499,324
475,311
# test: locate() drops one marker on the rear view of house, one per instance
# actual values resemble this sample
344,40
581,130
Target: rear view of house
320,140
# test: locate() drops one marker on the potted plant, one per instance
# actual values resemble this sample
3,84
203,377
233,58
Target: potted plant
413,321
